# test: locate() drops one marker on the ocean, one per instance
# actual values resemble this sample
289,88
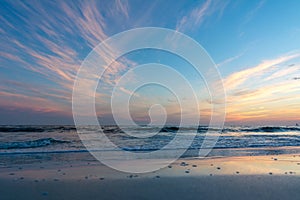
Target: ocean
62,141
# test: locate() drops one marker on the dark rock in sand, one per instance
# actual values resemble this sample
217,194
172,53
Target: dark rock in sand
183,164
45,193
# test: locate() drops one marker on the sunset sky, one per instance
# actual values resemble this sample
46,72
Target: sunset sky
255,45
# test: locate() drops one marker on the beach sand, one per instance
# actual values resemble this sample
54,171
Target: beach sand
246,177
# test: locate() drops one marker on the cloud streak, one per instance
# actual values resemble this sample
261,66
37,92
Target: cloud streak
197,16
238,78
259,92
50,48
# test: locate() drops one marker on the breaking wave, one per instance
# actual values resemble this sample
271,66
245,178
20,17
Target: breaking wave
31,144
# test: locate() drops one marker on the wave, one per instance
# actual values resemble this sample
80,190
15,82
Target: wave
31,144
203,129
36,128
172,129
165,129
271,129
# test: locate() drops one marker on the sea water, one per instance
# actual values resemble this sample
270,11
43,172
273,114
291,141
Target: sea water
64,140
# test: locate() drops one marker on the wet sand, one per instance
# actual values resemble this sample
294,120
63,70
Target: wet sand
251,177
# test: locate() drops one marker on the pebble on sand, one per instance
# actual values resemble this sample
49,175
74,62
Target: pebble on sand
45,193
218,168
183,164
194,165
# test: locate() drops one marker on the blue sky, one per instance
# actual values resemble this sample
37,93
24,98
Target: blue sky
255,44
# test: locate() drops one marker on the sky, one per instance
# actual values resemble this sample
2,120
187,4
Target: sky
254,44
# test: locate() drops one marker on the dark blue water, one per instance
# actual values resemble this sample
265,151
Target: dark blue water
64,139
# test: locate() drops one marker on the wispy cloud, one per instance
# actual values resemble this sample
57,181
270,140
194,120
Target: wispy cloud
250,15
283,72
229,60
259,92
194,18
238,78
52,48
123,7
252,12
38,104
